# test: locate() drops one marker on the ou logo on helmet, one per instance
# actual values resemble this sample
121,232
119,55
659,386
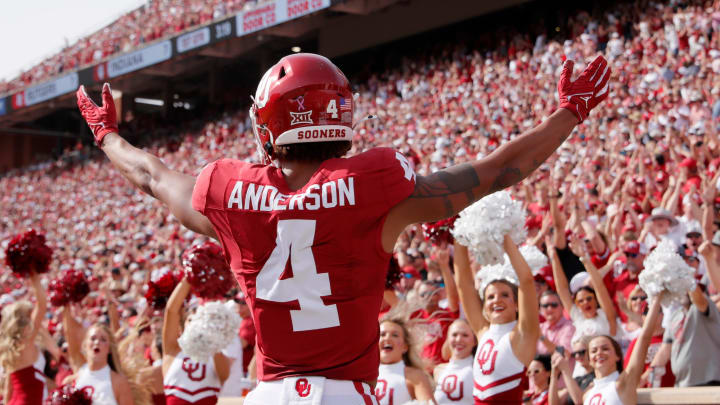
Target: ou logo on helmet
263,89
486,357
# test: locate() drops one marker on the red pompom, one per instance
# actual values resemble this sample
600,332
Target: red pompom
69,395
393,275
438,233
71,286
159,291
207,271
27,252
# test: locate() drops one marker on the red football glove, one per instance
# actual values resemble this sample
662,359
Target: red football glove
101,120
587,91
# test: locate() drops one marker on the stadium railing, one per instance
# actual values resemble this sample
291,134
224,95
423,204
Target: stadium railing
646,396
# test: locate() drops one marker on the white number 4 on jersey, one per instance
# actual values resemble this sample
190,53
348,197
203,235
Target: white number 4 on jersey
307,286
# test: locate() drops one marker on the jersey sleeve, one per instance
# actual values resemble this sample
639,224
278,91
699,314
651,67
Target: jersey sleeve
211,184
201,191
398,176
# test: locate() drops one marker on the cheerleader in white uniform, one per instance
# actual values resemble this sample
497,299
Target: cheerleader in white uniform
95,360
454,379
401,378
186,381
612,384
506,322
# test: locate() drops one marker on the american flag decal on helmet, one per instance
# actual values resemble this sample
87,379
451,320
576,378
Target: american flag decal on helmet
345,104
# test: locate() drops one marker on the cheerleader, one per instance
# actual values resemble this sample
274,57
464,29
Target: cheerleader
401,378
505,319
186,381
95,362
454,379
21,359
612,384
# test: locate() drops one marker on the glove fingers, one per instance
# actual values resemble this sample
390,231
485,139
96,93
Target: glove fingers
566,74
602,86
83,98
592,68
602,69
107,95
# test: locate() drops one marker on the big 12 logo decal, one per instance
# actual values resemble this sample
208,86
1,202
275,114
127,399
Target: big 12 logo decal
381,390
450,385
486,357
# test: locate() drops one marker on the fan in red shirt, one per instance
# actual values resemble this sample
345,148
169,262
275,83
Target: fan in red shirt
438,319
667,378
310,236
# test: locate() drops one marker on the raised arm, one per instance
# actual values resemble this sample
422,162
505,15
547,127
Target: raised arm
561,281
630,377
528,316
443,255
145,171
171,321
713,270
603,296
446,192
602,293
74,334
469,298
38,314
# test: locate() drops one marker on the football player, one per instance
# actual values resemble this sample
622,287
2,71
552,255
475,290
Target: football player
309,233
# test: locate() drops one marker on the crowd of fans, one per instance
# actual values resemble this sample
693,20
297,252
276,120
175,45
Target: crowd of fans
156,20
643,169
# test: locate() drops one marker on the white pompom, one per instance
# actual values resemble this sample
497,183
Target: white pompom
482,226
534,258
494,272
209,331
666,270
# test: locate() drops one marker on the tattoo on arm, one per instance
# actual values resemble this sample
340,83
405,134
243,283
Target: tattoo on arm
457,179
511,175
507,177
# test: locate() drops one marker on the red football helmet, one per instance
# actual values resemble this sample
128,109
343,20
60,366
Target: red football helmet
303,98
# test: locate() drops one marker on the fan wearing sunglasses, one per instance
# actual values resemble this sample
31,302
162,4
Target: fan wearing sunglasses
577,379
557,330
627,280
632,308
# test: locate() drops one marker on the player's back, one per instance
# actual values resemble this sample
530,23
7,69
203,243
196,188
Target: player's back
310,261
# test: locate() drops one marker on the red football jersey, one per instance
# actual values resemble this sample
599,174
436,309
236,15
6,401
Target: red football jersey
311,261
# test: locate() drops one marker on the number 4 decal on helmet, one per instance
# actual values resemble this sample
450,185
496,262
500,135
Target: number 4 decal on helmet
307,286
332,108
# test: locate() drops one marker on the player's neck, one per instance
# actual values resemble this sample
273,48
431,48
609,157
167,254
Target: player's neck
297,174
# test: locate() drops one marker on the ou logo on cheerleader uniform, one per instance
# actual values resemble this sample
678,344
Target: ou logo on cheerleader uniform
597,399
449,384
487,356
381,389
190,368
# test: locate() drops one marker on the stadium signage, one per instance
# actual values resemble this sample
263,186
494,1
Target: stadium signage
46,91
193,40
139,59
260,18
276,12
298,8
264,16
